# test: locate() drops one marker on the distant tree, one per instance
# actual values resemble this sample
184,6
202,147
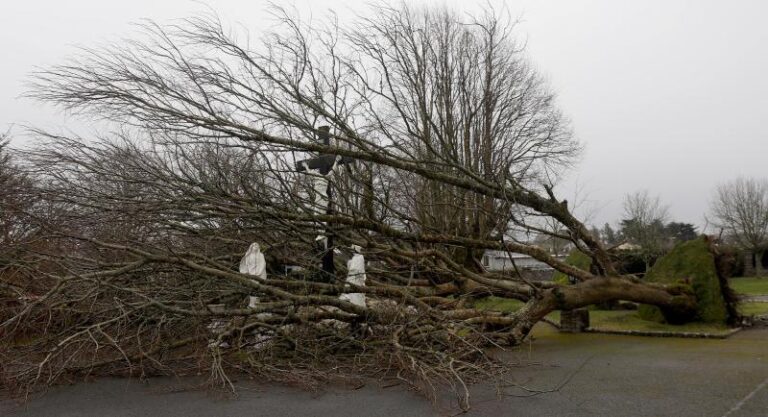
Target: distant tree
643,224
14,200
596,232
553,241
740,208
610,237
680,232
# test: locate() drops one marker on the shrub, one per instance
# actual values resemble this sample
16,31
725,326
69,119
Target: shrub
577,259
692,266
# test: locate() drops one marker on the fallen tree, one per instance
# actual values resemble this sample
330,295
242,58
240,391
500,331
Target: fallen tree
450,137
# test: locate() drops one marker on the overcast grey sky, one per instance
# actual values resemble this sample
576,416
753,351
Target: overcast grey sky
669,96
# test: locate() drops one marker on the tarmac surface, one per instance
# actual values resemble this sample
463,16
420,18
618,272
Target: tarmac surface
579,375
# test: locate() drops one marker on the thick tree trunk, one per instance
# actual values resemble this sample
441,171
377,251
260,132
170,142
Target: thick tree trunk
749,264
600,290
758,259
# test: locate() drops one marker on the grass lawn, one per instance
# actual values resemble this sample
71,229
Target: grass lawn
507,305
630,320
499,304
618,319
757,309
750,285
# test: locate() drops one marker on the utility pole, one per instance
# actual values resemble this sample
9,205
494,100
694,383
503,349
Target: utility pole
322,167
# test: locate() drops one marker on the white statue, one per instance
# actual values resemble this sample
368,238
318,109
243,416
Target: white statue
253,263
355,276
320,186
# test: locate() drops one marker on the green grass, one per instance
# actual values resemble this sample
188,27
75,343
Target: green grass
506,305
750,285
617,319
630,320
575,258
757,309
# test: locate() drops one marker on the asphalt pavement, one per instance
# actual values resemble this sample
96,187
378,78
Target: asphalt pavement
556,375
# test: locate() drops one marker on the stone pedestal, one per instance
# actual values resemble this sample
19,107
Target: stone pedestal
574,321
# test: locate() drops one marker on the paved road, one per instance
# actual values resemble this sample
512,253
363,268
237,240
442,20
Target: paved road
607,375
755,299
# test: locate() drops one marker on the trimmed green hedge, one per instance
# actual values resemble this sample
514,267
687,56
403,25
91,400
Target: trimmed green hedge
692,266
577,259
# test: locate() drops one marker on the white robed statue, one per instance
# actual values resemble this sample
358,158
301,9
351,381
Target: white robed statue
355,276
320,180
253,263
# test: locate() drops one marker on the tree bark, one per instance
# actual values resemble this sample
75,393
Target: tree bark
749,263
